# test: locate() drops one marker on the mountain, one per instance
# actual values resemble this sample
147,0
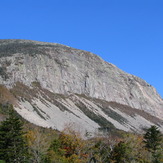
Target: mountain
52,85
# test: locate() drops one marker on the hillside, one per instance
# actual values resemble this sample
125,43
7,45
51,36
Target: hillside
52,85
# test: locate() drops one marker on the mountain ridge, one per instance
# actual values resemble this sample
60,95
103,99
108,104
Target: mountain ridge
68,71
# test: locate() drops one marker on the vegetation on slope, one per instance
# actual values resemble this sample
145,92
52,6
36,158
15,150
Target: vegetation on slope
28,143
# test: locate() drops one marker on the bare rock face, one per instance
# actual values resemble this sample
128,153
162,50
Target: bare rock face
64,70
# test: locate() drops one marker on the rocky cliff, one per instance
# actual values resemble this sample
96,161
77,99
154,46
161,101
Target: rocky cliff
80,77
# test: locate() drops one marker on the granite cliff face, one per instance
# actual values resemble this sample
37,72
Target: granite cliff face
73,73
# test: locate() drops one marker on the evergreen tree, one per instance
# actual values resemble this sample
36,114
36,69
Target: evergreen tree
13,148
152,140
121,153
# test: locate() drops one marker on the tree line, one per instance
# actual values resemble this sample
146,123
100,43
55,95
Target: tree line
23,144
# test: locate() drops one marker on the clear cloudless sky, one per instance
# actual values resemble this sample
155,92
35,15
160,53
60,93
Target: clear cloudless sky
127,33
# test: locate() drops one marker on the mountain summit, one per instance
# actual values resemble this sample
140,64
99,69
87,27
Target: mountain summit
52,85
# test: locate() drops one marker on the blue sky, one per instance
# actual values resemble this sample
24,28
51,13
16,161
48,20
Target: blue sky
127,33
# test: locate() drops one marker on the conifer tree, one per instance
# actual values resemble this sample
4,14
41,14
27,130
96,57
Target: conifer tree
152,140
13,148
121,153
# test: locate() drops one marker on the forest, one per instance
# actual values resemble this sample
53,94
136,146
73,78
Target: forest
23,142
